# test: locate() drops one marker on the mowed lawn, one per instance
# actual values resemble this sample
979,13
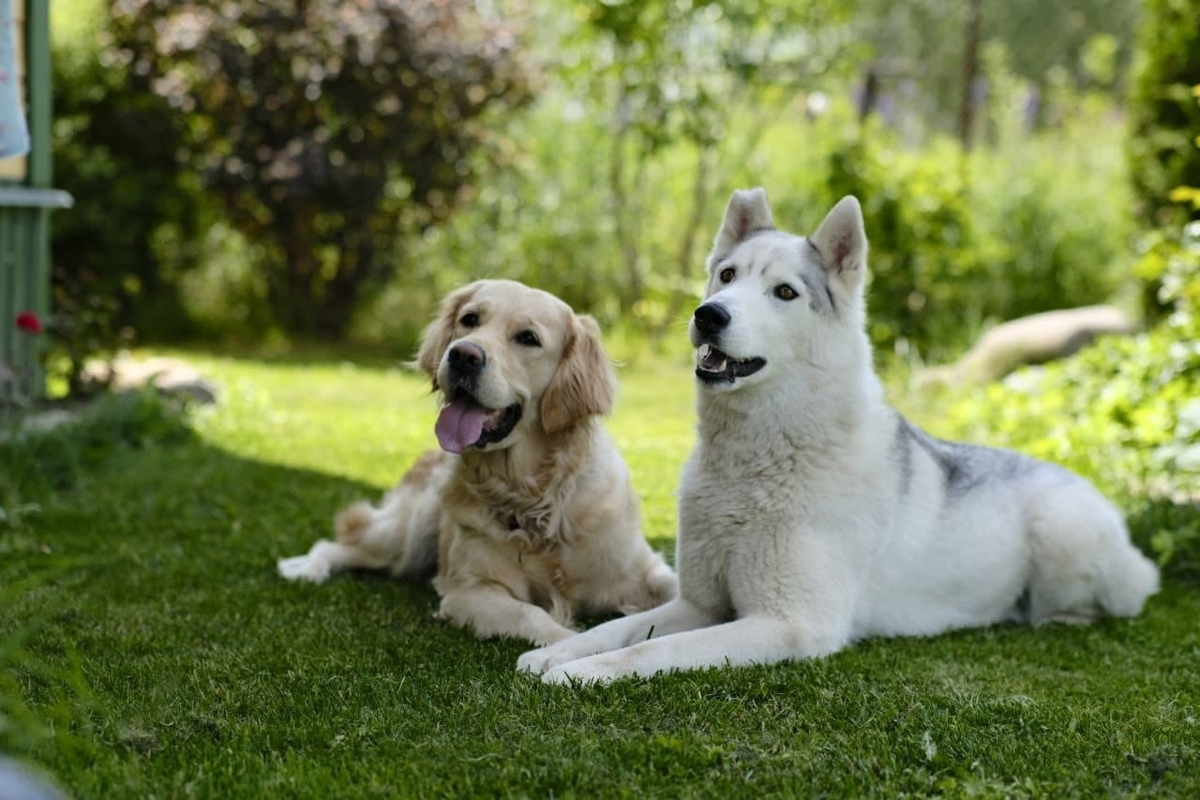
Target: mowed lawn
147,647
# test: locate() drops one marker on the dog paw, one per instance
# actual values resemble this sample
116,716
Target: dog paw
538,661
555,650
303,568
552,636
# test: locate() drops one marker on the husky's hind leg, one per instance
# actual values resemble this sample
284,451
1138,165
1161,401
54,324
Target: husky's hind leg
1083,564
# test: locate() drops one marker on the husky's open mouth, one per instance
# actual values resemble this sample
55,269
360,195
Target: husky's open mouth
714,366
464,423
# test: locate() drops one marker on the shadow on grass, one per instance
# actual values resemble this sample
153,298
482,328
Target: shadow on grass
138,592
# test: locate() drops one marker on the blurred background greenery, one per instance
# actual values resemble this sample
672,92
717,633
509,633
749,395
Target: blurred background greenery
267,170
273,173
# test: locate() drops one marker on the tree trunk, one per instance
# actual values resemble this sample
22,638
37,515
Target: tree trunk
342,293
870,94
291,277
686,269
626,238
970,73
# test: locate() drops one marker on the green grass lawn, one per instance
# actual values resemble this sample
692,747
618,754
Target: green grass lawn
147,647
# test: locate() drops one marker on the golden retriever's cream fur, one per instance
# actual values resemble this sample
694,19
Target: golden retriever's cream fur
528,526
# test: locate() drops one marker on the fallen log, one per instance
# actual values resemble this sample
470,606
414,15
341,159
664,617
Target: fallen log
1035,339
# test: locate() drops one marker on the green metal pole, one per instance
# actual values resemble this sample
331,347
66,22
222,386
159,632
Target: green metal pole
41,163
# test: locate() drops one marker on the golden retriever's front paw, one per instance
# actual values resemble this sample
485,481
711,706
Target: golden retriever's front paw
552,636
304,568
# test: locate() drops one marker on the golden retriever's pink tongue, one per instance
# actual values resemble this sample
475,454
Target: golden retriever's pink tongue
459,425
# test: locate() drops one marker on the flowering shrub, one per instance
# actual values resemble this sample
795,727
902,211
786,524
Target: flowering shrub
11,390
29,322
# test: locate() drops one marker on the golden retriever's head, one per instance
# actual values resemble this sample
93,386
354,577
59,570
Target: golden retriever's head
507,359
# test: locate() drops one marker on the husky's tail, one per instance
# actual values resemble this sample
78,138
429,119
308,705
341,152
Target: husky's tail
1083,560
1127,579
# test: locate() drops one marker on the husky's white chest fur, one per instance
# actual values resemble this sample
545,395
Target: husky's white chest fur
812,515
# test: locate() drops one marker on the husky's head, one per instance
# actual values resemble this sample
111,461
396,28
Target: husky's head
773,298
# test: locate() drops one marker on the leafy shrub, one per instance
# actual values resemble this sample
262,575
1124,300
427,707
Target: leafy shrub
960,240
1164,112
956,241
1124,411
326,130
115,255
923,259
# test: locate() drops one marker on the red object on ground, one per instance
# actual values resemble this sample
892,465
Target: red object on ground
29,322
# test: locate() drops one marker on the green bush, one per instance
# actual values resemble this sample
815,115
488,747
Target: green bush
1125,411
327,132
117,255
927,281
962,241
1164,114
957,242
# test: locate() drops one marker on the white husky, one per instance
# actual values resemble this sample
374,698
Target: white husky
812,515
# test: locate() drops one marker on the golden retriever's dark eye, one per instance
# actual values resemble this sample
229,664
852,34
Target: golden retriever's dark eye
727,274
469,320
785,292
527,338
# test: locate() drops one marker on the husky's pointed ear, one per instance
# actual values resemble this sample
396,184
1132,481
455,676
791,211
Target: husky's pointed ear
438,335
585,383
841,241
746,213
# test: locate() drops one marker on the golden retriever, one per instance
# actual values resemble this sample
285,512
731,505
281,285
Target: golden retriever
527,513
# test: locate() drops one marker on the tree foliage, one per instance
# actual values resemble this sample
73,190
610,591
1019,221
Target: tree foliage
916,51
672,73
1163,143
327,129
115,151
326,134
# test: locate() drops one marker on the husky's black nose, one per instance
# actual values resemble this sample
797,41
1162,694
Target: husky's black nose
711,318
466,359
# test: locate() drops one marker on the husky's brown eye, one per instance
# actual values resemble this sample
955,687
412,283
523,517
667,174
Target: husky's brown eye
469,320
527,338
785,292
727,274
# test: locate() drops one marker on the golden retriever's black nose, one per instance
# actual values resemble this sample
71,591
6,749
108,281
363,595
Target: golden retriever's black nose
466,358
711,318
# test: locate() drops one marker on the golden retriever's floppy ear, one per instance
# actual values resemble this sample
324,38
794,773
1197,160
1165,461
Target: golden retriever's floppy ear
585,382
437,336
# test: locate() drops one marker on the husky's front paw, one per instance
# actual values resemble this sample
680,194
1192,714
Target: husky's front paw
304,568
542,659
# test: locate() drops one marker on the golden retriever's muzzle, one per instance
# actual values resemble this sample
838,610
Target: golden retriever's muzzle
466,361
464,422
